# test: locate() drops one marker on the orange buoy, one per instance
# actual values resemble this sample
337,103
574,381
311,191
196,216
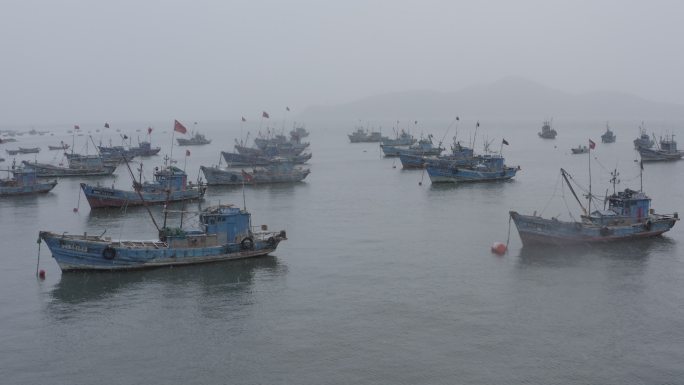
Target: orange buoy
41,274
499,248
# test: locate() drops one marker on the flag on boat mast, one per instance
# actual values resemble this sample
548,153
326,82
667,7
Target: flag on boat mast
264,114
178,127
243,119
592,145
106,125
504,142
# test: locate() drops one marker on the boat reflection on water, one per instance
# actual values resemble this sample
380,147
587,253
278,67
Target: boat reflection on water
638,251
217,280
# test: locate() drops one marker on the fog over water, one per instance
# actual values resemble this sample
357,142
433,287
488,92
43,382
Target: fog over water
91,61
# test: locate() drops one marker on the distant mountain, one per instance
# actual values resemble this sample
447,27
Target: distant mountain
509,97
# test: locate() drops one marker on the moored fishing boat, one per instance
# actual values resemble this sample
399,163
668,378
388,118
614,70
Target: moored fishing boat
547,132
362,135
62,146
196,140
667,151
460,155
24,182
402,138
170,185
482,168
424,147
608,136
628,216
225,233
581,149
241,160
44,170
279,172
643,140
30,150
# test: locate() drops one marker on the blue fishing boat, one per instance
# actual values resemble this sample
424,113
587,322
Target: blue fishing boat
24,182
628,216
45,170
424,147
403,138
241,160
142,149
224,233
170,185
667,151
482,168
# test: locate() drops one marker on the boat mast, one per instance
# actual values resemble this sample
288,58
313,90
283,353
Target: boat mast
565,176
137,189
589,198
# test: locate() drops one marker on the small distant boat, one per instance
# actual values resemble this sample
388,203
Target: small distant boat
142,149
279,172
196,140
170,185
402,139
482,168
24,182
224,233
581,149
547,132
608,136
628,216
31,150
643,141
62,146
243,160
667,151
362,135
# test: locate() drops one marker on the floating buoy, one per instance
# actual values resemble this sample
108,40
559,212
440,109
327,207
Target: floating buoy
41,274
499,248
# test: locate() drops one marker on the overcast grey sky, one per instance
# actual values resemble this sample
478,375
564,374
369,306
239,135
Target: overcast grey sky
89,60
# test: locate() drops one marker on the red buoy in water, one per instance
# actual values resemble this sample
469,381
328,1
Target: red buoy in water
499,248
41,274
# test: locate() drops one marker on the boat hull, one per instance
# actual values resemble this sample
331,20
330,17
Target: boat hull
534,230
76,253
38,188
217,176
649,155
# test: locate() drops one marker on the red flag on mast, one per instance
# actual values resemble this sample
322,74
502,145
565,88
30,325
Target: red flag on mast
246,176
243,119
187,152
76,127
265,115
178,127
149,130
592,145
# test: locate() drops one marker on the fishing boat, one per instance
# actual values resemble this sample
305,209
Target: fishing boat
45,170
667,151
24,182
241,160
362,135
12,152
608,136
31,150
142,149
580,149
279,172
170,185
482,168
402,138
460,155
628,216
225,233
424,147
547,132
196,140
643,140
62,146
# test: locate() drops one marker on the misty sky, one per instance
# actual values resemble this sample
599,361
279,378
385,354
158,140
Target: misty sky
68,61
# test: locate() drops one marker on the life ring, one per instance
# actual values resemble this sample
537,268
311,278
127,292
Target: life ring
648,225
271,241
109,253
247,244
605,231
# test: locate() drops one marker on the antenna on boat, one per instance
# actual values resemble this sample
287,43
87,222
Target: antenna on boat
137,186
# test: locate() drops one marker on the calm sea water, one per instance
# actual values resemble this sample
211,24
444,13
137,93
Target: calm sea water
382,280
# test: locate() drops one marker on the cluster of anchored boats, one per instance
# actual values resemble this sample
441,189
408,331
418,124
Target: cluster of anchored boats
625,214
225,232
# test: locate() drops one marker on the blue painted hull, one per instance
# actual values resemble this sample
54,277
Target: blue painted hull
460,175
534,230
99,196
38,188
74,252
